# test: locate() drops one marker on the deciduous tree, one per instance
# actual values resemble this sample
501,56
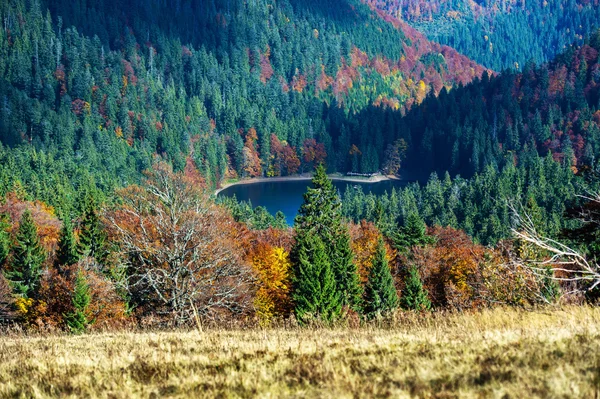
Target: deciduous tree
181,250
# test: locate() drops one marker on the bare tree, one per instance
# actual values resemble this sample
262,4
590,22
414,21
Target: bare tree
181,251
6,311
568,264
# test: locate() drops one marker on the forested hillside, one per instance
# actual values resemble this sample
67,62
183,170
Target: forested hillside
500,33
118,120
92,92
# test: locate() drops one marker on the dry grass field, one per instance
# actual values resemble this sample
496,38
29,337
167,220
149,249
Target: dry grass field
499,353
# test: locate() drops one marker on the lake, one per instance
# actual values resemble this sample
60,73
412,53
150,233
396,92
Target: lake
286,196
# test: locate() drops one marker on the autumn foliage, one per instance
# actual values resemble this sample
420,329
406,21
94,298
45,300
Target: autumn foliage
252,163
272,266
182,252
284,159
43,215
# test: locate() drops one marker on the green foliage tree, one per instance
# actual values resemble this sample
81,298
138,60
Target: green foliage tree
315,293
67,253
4,246
28,256
79,320
413,233
346,271
380,296
414,296
320,215
92,238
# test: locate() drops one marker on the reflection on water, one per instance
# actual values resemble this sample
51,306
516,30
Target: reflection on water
286,196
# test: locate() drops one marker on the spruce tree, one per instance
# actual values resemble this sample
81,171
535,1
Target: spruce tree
320,215
414,296
28,257
67,253
78,321
413,233
346,270
4,246
380,295
92,238
315,293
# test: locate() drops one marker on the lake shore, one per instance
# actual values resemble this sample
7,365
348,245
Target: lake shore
307,176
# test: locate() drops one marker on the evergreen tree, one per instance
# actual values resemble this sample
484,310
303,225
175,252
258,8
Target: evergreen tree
346,271
315,293
320,215
78,321
380,294
4,246
413,233
414,296
67,253
280,221
92,238
28,256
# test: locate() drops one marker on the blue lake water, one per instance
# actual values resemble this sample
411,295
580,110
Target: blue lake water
287,197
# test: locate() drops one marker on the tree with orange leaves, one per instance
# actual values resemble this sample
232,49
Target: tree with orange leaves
450,268
314,152
181,250
364,238
284,158
252,164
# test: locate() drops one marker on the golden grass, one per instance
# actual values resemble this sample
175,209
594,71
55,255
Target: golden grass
497,353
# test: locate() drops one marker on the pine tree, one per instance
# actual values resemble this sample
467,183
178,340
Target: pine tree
380,295
320,215
67,253
28,257
414,296
78,321
92,238
315,293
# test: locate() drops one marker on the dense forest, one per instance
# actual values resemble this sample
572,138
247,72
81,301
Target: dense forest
118,120
245,92
500,34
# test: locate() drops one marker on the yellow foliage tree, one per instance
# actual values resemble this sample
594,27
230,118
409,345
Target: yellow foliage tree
272,265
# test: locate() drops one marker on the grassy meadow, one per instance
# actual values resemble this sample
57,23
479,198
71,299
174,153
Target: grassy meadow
501,353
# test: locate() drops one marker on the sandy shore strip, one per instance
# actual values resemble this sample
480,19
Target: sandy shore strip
307,176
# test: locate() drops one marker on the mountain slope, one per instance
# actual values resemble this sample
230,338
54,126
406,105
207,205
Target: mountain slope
500,33
91,92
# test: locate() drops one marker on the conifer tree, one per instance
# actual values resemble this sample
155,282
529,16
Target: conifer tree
414,296
346,270
92,238
4,246
320,215
28,257
78,321
280,221
413,233
67,253
315,292
380,295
